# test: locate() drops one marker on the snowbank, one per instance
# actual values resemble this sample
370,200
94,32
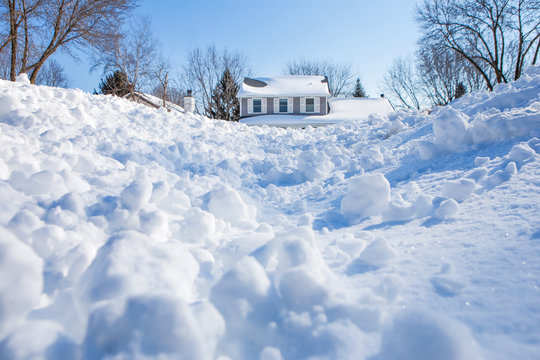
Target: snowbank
127,232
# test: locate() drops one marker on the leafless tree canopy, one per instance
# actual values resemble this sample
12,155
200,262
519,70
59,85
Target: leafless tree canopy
205,68
401,81
134,52
441,71
33,30
497,37
53,74
339,75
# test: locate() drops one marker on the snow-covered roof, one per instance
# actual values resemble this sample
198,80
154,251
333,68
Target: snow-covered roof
290,85
153,101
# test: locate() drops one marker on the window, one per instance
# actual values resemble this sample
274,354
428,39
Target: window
310,105
283,108
257,105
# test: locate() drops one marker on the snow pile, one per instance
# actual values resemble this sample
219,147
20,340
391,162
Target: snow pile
358,108
488,117
128,232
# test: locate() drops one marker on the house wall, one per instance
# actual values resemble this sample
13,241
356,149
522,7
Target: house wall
270,107
324,106
243,107
296,106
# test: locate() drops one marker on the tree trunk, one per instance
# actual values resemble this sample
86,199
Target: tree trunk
13,38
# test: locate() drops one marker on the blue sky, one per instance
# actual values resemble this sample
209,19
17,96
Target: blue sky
366,34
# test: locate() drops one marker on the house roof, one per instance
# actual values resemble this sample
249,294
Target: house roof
291,85
152,101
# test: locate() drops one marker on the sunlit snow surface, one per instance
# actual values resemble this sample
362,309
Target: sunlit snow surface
131,233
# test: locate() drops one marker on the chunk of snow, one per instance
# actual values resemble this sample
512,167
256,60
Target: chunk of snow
23,78
367,195
21,281
377,254
458,190
447,209
423,335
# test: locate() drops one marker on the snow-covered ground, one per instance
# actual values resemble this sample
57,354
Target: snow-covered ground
133,233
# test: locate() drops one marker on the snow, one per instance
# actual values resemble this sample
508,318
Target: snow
285,86
129,232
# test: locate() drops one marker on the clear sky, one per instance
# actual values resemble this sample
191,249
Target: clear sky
366,34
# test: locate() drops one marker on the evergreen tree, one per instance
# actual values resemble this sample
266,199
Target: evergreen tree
358,89
460,90
116,84
224,104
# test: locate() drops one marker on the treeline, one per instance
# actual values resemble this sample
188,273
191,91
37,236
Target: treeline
465,45
123,47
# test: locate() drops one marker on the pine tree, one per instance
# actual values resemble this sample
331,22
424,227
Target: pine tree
224,104
116,84
358,89
460,90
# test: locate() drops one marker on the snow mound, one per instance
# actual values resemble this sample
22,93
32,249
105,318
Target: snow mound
129,232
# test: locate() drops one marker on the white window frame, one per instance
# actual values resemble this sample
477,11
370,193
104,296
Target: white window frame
316,105
277,107
251,107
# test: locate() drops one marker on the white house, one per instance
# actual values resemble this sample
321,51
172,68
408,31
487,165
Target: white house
291,95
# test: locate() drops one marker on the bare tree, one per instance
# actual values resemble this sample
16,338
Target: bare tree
161,74
497,37
339,75
441,70
205,68
174,94
53,74
17,14
402,83
133,53
50,25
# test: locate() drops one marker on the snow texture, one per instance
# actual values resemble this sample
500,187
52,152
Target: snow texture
133,233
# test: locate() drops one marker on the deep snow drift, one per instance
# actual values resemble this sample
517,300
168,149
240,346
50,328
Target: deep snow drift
131,233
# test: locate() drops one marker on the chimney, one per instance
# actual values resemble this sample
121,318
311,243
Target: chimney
189,102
